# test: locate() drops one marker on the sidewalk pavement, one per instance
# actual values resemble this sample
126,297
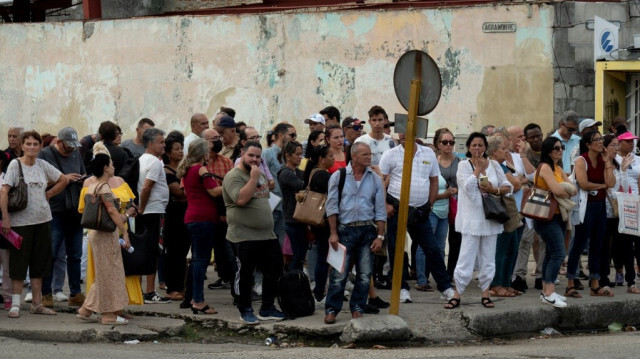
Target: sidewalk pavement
426,318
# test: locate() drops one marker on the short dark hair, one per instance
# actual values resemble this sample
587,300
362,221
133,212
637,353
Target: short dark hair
108,131
32,133
281,129
472,137
530,127
149,135
172,137
240,124
331,112
376,110
146,121
250,144
229,111
98,163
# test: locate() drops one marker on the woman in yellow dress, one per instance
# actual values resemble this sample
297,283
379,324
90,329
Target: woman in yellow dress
123,192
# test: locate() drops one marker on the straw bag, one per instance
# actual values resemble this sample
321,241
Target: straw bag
96,215
537,203
310,205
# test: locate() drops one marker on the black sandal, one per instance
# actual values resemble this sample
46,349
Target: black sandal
453,302
572,292
487,303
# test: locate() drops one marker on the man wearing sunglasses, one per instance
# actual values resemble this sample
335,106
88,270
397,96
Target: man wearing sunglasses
566,133
352,128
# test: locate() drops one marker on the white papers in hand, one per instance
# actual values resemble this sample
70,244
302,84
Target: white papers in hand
273,200
336,258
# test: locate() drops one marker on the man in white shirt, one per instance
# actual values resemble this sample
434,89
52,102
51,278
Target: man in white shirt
199,123
377,140
424,189
566,133
154,196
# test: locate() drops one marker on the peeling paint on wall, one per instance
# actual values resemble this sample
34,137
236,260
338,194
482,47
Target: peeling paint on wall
272,67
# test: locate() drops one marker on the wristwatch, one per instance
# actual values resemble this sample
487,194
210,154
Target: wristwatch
380,237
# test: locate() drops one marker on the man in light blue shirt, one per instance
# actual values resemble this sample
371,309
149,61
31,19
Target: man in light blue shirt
567,128
357,221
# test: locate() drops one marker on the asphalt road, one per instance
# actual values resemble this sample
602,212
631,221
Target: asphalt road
618,345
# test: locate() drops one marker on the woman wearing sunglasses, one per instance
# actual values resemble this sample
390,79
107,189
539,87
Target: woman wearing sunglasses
549,177
594,174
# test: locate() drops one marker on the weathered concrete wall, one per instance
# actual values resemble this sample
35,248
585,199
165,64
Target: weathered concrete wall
574,75
273,67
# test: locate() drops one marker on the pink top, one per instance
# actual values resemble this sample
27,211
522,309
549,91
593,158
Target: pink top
201,207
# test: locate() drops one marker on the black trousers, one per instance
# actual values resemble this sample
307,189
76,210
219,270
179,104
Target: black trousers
265,255
223,253
455,240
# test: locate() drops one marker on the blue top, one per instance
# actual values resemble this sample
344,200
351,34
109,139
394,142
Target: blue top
364,202
568,148
441,207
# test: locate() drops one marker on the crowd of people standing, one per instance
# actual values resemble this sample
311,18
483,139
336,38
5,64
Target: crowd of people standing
235,196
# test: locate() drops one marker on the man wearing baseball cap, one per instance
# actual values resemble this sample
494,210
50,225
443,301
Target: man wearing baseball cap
352,128
316,122
65,225
588,124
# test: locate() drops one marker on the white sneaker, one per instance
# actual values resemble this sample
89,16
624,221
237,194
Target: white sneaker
559,296
258,288
553,300
60,297
28,298
405,297
447,294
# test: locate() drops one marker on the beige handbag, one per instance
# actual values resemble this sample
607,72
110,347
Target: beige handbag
310,206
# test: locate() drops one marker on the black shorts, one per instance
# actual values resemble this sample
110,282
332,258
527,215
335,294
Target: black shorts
34,254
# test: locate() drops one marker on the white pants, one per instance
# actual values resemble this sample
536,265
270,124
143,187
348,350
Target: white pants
484,249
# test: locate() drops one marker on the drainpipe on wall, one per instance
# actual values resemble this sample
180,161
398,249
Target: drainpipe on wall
92,9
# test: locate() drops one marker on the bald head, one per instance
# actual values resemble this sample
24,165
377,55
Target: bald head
516,134
210,134
199,123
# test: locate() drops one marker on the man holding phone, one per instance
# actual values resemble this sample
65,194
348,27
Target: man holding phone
66,232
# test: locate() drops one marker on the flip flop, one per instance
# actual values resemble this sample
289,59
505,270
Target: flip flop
601,292
119,321
572,292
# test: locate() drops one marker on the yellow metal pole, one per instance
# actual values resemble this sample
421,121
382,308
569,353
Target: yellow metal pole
403,210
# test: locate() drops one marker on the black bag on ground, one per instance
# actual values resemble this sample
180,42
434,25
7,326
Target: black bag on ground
138,262
294,294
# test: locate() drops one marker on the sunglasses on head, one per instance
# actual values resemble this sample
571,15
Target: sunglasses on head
448,142
558,148
355,127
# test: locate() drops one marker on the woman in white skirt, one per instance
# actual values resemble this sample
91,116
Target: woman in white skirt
477,176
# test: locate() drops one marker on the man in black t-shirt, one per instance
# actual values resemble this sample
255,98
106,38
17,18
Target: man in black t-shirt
65,225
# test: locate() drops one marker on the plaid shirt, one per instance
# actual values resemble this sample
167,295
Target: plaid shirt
219,166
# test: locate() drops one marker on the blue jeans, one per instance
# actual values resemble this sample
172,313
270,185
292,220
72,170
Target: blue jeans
421,233
591,231
440,227
507,245
358,241
65,229
552,233
297,233
201,245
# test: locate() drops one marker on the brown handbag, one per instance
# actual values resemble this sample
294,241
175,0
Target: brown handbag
95,215
310,205
537,203
18,194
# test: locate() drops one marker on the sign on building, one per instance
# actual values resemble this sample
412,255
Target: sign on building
499,27
605,40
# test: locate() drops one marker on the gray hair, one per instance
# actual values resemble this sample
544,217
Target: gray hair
488,130
494,143
149,135
198,150
356,146
20,129
570,116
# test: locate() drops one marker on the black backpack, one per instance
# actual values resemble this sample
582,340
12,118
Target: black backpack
294,294
130,173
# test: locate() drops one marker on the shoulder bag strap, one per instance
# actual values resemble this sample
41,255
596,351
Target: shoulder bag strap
21,177
311,176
